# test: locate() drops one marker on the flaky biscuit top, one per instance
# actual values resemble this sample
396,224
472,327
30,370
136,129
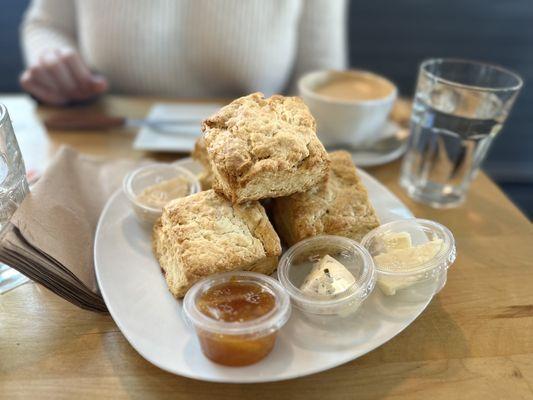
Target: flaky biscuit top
254,134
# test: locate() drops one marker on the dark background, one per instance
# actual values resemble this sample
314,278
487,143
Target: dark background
391,38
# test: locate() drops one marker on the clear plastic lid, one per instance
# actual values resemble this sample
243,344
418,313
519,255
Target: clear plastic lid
264,325
416,233
297,262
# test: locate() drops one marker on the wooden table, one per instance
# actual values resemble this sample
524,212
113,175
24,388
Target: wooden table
474,341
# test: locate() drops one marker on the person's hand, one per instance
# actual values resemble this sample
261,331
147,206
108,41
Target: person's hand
61,77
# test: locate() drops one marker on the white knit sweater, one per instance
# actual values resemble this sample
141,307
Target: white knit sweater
192,48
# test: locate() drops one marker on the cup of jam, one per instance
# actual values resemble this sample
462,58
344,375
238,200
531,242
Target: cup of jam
236,316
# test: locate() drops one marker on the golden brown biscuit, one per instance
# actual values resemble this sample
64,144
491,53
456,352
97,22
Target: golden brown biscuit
339,207
204,233
260,148
206,180
199,154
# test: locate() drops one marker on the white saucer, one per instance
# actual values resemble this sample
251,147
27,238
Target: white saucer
371,156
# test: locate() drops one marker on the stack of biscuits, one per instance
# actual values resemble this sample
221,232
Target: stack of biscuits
255,149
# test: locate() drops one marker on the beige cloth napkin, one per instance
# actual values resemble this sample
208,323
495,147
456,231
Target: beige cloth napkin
50,238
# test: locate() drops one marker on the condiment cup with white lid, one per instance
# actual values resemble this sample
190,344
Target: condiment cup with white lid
297,262
237,343
406,270
148,175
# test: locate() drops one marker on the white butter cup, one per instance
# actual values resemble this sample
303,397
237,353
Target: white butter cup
421,231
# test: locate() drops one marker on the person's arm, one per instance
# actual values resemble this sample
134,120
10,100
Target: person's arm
48,25
56,74
321,37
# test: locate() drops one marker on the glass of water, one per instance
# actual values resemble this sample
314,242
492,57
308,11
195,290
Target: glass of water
459,108
13,189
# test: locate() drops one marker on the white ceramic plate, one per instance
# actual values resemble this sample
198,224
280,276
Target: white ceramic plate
151,319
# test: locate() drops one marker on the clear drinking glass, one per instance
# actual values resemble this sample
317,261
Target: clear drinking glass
13,189
459,107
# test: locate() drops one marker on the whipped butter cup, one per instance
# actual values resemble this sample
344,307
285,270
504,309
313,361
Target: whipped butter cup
298,261
237,343
141,178
426,276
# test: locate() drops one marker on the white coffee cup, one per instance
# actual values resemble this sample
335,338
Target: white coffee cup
346,122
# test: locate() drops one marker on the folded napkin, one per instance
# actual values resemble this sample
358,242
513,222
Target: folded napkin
50,237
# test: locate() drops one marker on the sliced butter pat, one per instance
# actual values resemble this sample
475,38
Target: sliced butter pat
327,279
410,258
397,240
404,259
390,285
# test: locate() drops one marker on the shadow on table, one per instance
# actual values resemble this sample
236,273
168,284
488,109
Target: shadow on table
412,355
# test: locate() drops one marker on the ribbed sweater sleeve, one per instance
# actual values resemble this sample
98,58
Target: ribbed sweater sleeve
48,24
321,37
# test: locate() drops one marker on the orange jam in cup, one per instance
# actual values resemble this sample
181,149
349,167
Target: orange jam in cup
237,316
236,302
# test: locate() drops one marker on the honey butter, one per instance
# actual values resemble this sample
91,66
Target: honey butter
159,194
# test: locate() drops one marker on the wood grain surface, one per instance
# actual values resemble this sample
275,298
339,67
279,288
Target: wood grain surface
474,341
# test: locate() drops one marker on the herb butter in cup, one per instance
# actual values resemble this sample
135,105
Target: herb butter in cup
151,187
327,276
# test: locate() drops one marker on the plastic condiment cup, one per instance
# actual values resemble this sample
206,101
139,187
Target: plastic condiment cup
298,261
237,343
427,277
141,178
